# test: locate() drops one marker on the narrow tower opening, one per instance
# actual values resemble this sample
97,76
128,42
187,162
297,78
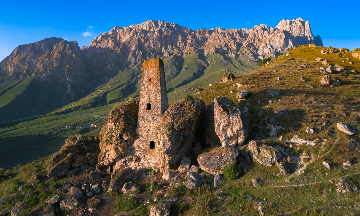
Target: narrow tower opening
148,106
111,169
149,79
152,145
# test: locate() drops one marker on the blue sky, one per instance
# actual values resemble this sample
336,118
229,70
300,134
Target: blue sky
23,22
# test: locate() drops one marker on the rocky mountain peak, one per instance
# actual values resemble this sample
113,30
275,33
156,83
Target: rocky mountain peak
51,57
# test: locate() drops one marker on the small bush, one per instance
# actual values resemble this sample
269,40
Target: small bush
31,201
232,172
122,204
14,186
43,196
188,97
40,186
263,62
54,186
155,185
142,210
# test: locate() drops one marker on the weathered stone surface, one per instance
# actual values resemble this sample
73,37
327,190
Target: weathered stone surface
256,182
53,199
168,174
345,186
162,209
217,159
73,149
96,188
263,154
68,203
194,168
177,132
119,178
185,164
346,128
229,123
218,179
297,140
328,81
193,180
208,126
284,168
119,132
75,192
242,95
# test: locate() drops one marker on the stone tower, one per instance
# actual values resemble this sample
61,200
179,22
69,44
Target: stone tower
153,101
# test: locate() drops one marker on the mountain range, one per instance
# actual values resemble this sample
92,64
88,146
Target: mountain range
50,74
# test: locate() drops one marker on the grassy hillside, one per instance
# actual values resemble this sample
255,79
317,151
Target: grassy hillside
310,189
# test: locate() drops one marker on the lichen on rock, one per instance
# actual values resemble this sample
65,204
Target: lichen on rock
217,159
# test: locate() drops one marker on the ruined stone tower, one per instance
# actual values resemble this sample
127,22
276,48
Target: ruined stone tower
153,101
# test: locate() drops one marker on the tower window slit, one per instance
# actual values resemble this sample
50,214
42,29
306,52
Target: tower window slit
111,168
152,145
148,106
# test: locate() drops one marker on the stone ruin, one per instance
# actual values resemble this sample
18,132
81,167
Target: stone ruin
146,133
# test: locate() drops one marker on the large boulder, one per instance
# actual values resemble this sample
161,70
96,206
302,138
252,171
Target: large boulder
229,124
224,124
81,151
263,154
68,203
346,128
193,180
119,178
119,132
177,130
217,159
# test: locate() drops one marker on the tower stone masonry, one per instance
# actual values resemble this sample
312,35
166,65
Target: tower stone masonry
153,101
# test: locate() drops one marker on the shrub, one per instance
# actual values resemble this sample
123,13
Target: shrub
31,201
14,186
232,172
40,186
125,204
188,97
54,186
43,196
263,62
155,185
142,210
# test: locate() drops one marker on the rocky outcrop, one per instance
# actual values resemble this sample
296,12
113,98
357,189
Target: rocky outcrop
77,154
356,53
229,123
217,159
346,186
263,154
119,178
162,209
177,131
193,180
51,58
119,132
328,81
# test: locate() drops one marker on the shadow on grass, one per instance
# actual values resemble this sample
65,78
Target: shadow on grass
25,149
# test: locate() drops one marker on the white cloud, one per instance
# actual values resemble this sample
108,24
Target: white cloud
87,34
247,22
91,27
